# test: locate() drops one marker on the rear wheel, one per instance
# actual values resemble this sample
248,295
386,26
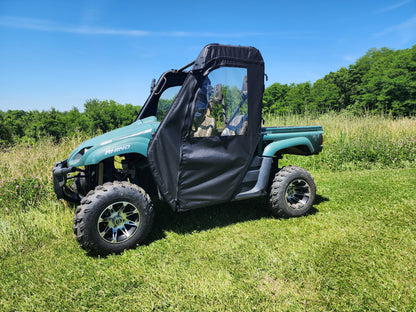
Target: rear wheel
292,192
113,217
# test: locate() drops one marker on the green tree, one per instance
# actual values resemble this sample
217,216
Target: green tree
324,96
297,99
109,115
6,137
15,121
46,123
343,82
384,80
274,98
76,121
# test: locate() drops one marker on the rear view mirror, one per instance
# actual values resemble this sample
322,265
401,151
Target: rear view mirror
152,86
244,88
218,93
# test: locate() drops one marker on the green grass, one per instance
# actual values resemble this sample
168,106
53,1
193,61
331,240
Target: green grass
356,251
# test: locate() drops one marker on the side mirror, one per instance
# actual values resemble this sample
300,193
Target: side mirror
152,86
244,88
218,93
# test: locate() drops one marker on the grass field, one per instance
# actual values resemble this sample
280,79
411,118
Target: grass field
356,251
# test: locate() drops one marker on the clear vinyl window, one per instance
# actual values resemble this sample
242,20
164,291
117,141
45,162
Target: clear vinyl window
221,105
165,101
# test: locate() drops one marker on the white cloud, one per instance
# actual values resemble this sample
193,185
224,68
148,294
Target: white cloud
392,7
50,26
406,31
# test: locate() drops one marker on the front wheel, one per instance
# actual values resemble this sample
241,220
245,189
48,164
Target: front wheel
292,192
113,217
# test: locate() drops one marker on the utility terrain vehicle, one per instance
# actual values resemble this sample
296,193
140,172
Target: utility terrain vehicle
197,141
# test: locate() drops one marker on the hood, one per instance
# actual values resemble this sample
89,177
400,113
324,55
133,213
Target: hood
132,138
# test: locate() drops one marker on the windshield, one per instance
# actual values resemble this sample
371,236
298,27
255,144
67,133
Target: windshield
163,94
165,101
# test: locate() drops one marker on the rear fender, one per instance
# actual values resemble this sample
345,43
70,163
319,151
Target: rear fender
274,147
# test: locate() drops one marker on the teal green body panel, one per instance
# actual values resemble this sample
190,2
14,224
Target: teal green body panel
128,146
133,138
285,137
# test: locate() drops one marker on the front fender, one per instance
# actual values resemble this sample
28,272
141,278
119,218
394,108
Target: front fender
276,146
97,154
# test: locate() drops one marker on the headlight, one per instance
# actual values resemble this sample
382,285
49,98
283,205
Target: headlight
81,153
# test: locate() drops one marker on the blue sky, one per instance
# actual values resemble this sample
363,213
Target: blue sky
61,53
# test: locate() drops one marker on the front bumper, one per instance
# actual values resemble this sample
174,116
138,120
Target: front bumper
60,177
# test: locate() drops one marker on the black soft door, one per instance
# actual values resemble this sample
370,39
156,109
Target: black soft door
202,148
211,171
218,147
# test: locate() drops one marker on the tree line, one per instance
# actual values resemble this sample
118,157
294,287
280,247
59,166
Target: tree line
381,81
98,116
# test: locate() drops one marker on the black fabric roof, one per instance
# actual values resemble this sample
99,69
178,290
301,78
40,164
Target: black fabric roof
214,53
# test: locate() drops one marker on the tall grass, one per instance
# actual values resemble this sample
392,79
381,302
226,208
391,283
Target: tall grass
25,186
354,142
26,159
26,171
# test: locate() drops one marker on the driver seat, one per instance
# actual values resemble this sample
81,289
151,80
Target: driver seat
237,126
207,128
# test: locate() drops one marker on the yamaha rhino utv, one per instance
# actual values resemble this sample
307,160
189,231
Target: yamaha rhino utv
197,141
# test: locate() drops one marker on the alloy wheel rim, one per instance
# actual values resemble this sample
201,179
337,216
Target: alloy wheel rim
118,222
297,194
